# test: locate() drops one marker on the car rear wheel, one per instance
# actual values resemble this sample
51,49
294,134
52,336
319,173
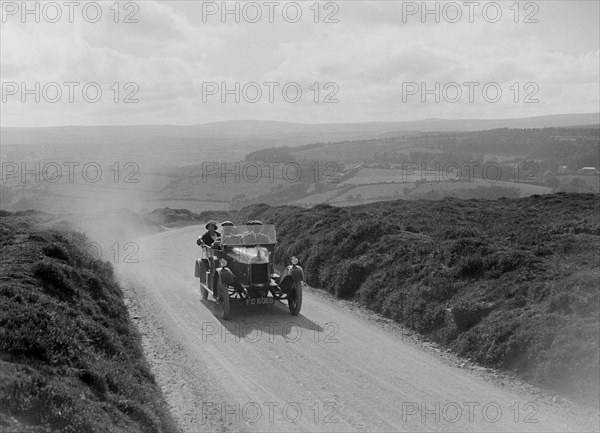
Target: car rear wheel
223,301
295,298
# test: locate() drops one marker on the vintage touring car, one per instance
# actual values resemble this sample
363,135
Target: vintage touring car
238,268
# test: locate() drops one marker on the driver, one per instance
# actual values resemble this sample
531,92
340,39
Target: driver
254,236
207,239
211,235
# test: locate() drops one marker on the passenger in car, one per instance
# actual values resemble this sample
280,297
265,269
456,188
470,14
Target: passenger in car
254,236
230,235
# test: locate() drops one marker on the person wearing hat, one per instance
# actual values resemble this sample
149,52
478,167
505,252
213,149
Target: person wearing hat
230,235
207,239
248,224
211,235
254,236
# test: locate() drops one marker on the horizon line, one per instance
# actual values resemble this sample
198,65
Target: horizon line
304,123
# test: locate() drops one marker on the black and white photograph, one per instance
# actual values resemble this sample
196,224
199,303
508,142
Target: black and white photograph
299,216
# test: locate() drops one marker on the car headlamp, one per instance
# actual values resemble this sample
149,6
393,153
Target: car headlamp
294,260
223,262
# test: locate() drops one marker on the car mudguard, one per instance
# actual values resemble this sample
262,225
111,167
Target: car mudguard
294,272
198,268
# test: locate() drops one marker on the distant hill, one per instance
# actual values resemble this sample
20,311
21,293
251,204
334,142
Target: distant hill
181,217
162,166
256,134
536,143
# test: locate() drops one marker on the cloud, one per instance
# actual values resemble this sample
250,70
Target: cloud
369,54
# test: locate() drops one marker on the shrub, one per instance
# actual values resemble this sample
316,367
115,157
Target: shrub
517,255
468,314
55,279
69,352
56,251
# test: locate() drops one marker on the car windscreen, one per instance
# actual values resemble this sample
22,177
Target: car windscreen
248,235
249,254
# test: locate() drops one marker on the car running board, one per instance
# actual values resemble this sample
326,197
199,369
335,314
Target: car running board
207,289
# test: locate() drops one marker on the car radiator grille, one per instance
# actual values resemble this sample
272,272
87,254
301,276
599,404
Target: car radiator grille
260,273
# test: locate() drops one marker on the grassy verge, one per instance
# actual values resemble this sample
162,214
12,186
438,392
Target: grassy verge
70,358
509,283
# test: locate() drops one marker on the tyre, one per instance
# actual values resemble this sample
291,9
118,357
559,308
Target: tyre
223,301
295,298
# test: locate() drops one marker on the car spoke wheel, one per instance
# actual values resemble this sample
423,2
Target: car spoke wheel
223,301
295,298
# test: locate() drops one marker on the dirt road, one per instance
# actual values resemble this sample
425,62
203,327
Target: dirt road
332,368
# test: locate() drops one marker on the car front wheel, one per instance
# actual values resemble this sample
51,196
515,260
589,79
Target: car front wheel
223,300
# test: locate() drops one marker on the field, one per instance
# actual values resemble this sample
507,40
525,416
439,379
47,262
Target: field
378,191
349,150
448,188
323,197
373,184
382,175
167,171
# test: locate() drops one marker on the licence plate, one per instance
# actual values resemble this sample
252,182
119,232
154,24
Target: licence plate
260,301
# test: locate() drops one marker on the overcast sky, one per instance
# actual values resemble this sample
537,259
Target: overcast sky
373,64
